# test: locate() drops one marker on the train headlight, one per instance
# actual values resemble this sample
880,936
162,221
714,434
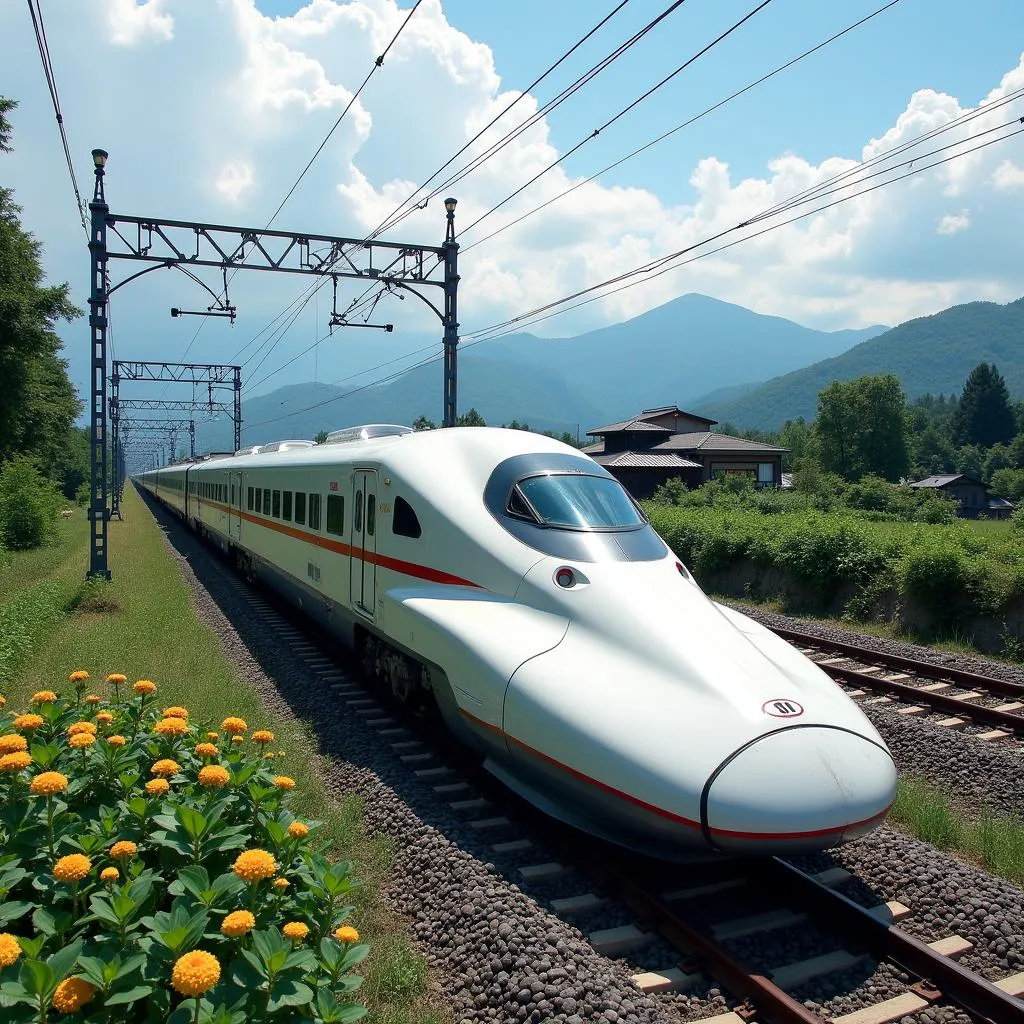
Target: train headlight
565,577
682,571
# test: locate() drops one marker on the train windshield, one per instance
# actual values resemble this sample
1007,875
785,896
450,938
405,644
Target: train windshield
575,501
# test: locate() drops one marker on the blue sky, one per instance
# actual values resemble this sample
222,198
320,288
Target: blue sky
211,107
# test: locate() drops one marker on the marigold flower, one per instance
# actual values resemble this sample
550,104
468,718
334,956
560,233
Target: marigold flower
81,740
213,776
72,868
295,930
281,884
116,741
12,744
104,717
166,767
49,784
298,830
206,750
346,933
144,687
91,698
237,739
254,865
10,949
213,735
72,994
78,676
157,787
3,701
175,712
16,762
109,875
116,678
263,736
123,848
28,723
234,726
77,728
283,782
43,697
237,923
195,973
171,727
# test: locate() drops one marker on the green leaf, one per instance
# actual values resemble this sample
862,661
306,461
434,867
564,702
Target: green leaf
194,823
93,970
64,959
12,911
289,992
247,972
128,995
194,879
44,754
38,978
33,947
353,956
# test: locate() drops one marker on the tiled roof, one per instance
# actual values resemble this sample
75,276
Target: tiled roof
593,449
938,481
709,441
634,424
644,460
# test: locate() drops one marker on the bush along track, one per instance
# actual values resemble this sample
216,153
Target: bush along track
152,872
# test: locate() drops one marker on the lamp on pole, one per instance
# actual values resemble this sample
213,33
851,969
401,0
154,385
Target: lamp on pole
98,516
450,319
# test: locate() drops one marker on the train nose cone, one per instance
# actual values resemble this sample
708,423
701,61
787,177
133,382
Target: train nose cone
804,788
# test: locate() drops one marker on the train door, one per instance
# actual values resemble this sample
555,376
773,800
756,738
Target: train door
363,580
235,506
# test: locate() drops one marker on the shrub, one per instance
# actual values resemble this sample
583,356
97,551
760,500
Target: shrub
155,878
941,575
29,505
1017,520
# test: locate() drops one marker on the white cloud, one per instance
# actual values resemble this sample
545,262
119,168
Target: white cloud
952,223
235,179
137,21
1008,176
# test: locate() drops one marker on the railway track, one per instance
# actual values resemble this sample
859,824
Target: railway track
921,687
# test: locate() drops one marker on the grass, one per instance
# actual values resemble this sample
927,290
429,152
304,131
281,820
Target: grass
995,841
143,624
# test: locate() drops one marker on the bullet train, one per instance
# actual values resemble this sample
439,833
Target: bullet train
512,581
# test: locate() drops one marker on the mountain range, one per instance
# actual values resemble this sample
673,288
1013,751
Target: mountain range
707,356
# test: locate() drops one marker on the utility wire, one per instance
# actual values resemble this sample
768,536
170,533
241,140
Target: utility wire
44,54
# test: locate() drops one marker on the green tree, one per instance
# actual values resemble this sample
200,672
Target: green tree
321,437
1009,484
422,423
29,504
861,428
471,419
984,416
38,404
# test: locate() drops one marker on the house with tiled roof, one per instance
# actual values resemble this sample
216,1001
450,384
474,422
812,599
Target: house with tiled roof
660,444
971,495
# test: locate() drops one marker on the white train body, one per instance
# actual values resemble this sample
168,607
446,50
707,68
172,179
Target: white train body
625,702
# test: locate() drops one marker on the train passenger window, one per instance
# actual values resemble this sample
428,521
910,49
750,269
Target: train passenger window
405,522
249,498
266,501
336,515
259,499
314,511
357,522
371,513
232,494
300,507
286,505
276,513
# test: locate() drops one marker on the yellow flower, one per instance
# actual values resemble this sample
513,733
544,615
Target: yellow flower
3,701
10,949
81,740
298,830
72,994
91,698
254,865
263,736
237,739
283,782
346,933
104,718
28,723
281,884
235,726
206,750
16,762
78,676
295,930
171,727
116,678
116,741
157,787
49,784
237,923
109,875
213,776
12,744
195,973
144,687
124,848
77,728
43,697
72,868
213,735
166,767
175,712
